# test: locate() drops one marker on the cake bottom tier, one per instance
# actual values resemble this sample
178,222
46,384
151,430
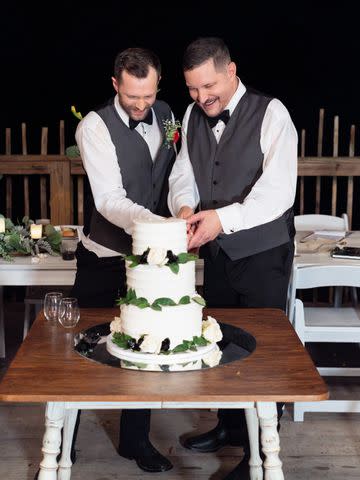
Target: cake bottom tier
178,323
150,358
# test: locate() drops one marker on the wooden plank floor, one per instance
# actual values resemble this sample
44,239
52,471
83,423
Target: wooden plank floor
324,446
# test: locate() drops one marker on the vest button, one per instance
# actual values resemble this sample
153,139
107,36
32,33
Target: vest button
217,163
153,185
215,182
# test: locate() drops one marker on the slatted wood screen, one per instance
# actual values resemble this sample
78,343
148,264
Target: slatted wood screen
61,188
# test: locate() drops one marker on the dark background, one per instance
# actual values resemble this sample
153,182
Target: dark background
57,54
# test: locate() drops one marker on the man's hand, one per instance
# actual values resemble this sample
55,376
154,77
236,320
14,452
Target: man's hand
185,212
208,227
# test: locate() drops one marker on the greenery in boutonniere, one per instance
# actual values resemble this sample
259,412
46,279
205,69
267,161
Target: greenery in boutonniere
141,302
17,240
73,151
161,257
172,135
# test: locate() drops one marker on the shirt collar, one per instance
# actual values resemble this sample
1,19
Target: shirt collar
241,89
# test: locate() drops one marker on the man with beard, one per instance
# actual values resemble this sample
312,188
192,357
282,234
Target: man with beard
238,165
127,164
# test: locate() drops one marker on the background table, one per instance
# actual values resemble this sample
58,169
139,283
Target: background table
47,369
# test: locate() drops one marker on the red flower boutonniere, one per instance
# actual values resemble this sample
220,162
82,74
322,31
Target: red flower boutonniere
171,132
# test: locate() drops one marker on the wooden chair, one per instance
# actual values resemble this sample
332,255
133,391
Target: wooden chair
327,324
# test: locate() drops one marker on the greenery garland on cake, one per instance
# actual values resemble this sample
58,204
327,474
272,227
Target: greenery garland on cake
161,257
158,303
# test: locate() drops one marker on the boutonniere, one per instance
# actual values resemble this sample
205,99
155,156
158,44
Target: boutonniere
171,132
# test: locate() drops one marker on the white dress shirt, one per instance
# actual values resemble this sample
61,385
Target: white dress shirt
274,191
100,162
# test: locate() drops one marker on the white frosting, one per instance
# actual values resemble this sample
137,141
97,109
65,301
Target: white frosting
168,233
178,323
152,282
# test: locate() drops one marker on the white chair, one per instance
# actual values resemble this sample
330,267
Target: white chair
326,324
326,222
321,222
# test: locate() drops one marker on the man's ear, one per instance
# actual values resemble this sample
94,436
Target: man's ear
231,68
115,84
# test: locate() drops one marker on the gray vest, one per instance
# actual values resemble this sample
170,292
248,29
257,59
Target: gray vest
225,173
145,180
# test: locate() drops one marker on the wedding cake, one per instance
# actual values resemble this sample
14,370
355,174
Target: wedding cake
161,319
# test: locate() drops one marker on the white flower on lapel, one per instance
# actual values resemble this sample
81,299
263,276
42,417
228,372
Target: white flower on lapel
211,330
157,256
151,344
115,325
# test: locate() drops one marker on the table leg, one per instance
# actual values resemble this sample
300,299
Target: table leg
2,323
270,441
255,462
54,421
65,463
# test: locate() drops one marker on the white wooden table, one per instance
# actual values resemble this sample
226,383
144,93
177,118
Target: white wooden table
49,271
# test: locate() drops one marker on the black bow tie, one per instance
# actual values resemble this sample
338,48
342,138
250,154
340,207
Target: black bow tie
224,116
148,119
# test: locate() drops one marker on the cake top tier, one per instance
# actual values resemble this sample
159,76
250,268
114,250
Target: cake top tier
169,233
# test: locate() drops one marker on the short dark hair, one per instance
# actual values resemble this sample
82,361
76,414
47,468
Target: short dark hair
203,49
137,62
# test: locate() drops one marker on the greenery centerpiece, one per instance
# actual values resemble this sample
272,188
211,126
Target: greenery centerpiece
17,240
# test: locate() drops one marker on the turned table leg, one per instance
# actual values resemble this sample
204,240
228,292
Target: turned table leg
65,463
255,462
270,441
54,421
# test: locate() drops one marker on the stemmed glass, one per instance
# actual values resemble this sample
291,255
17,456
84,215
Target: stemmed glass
51,305
69,312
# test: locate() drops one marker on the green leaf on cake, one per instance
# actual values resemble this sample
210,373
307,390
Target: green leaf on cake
134,259
200,341
184,300
140,302
186,257
131,295
156,306
198,299
121,340
174,267
165,302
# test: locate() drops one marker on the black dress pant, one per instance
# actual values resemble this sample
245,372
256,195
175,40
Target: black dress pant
100,282
258,281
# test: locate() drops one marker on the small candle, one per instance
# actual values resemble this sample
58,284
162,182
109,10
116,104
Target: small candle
35,231
2,225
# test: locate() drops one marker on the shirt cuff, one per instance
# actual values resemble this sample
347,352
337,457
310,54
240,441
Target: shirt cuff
230,218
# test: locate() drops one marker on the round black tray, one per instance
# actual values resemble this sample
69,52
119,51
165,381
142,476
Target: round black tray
235,345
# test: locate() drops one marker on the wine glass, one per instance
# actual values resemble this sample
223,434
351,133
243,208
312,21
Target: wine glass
69,312
51,305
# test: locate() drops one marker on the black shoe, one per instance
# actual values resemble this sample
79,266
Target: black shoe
212,441
147,458
240,472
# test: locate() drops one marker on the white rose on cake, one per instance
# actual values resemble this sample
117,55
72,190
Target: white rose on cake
213,358
115,325
211,330
151,344
157,256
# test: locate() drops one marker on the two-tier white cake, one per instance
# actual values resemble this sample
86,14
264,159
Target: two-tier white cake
161,315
